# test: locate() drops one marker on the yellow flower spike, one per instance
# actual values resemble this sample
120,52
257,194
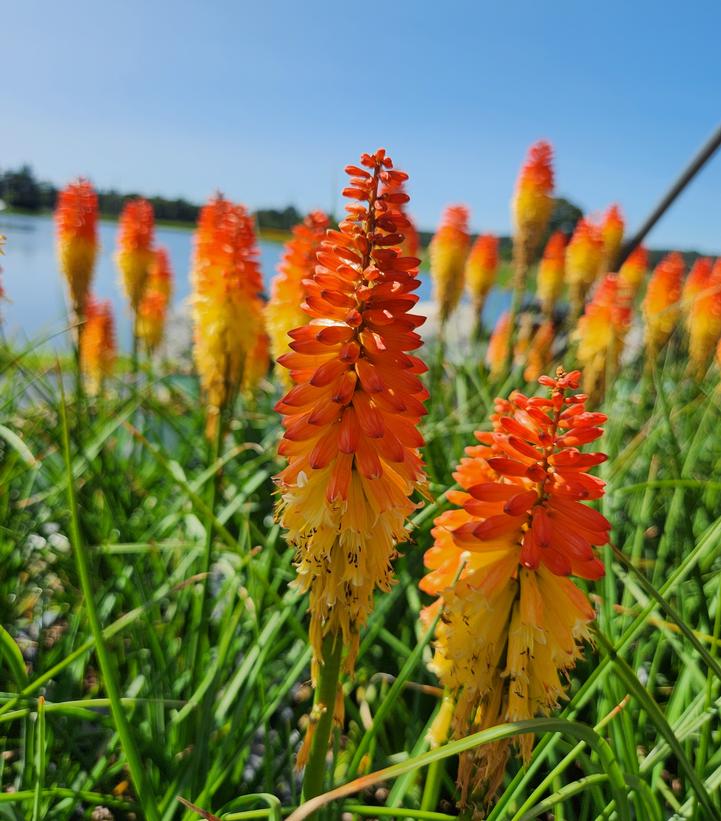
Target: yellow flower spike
448,251
513,623
633,271
284,311
551,272
532,203
351,437
76,219
601,333
136,228
481,271
97,344
612,228
661,305
584,259
153,307
703,319
226,304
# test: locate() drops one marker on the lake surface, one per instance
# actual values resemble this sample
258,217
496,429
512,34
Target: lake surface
36,311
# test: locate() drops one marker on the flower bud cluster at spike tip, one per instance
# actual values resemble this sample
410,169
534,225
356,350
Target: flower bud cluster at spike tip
97,344
633,271
661,304
351,437
551,272
703,315
532,202
601,332
226,302
612,227
153,307
448,251
134,257
482,269
584,259
513,623
76,219
284,311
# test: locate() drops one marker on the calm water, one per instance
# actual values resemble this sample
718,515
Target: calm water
36,290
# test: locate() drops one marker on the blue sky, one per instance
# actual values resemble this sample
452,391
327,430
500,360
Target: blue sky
268,101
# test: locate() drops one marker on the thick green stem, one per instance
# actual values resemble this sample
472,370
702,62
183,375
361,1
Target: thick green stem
322,714
432,787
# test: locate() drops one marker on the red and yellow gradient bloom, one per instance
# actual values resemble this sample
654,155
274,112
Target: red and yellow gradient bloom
351,437
153,307
482,270
612,228
134,257
601,333
584,259
703,315
448,252
97,344
661,306
551,272
513,623
497,351
226,302
284,311
532,203
633,271
76,220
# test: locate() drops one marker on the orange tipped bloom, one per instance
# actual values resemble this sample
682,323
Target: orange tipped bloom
584,258
136,228
703,317
661,305
612,227
153,307
532,203
513,623
227,308
76,219
551,272
284,310
448,252
497,352
351,437
601,332
97,344
633,271
539,356
481,270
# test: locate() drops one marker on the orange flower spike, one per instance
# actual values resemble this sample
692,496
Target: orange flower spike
539,356
134,257
513,624
76,220
612,228
97,344
497,351
703,318
633,271
448,252
551,272
351,437
601,332
482,269
150,323
226,303
532,203
661,305
284,310
160,273
584,258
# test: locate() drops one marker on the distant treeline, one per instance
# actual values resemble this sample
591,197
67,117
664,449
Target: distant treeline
20,189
